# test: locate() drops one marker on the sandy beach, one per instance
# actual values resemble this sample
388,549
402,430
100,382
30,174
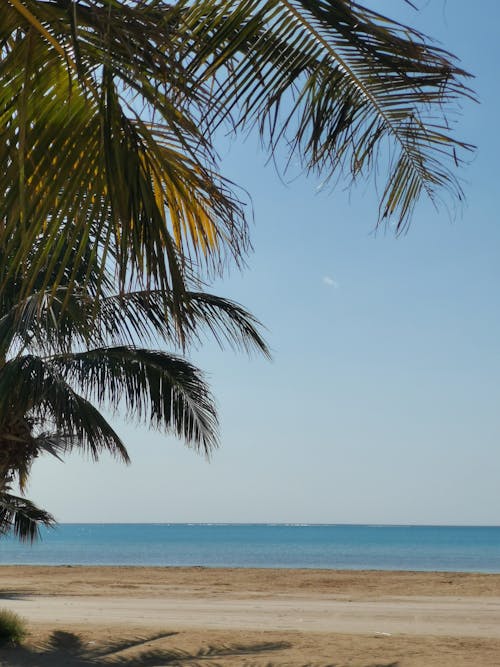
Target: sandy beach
83,616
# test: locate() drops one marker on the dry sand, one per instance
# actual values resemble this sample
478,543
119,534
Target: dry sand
150,617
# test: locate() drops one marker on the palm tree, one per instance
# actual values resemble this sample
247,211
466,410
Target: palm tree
65,355
108,110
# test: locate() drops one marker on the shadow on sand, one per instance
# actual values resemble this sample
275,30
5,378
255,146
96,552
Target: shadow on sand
68,650
65,649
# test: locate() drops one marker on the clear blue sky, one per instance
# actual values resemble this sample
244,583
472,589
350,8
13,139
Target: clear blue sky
382,402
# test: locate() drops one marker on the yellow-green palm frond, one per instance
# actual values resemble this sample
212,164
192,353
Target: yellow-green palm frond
104,147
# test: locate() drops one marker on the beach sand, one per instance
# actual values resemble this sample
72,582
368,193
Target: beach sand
150,617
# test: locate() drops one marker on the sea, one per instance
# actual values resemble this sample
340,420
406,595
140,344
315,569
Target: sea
350,547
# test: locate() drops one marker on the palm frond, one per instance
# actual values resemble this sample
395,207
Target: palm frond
61,323
340,85
226,320
163,390
53,444
32,385
22,517
43,322
146,315
86,169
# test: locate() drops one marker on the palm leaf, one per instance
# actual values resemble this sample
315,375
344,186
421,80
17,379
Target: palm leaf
22,517
61,324
227,321
86,169
31,385
146,315
342,86
160,389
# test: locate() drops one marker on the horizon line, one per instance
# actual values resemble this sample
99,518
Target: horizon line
290,524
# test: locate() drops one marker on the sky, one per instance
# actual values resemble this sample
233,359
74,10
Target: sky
381,403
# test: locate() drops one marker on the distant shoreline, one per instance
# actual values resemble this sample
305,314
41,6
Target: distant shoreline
236,568
290,524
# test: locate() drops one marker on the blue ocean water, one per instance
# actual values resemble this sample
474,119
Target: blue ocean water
446,548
